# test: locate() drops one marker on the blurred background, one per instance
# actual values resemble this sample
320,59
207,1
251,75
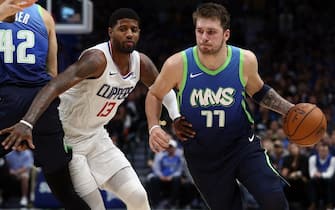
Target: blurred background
294,43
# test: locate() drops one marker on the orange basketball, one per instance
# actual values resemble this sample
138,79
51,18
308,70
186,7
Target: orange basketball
305,124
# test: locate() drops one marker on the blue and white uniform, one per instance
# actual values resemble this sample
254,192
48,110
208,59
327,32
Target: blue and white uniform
24,49
23,72
224,148
84,110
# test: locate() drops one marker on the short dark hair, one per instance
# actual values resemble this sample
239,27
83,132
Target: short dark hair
213,10
122,13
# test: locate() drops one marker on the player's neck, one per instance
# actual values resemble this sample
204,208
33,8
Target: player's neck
122,61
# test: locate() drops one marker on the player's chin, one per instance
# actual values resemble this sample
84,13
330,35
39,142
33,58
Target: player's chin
128,49
129,46
206,49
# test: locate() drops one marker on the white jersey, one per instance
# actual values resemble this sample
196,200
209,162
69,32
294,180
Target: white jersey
92,103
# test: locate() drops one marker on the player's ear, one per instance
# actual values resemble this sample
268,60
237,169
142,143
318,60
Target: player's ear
226,34
110,31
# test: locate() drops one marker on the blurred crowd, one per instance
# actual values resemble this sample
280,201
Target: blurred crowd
294,42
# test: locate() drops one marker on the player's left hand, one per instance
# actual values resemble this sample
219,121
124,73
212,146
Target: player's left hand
183,128
19,138
158,140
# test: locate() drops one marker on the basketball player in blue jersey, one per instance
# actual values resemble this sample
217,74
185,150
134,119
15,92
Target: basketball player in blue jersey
11,7
91,91
28,54
212,80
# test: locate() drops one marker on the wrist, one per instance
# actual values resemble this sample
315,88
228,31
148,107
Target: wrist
152,128
26,123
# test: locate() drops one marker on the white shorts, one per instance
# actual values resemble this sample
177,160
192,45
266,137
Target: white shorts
95,160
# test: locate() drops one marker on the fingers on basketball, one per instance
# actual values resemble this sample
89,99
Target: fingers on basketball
305,124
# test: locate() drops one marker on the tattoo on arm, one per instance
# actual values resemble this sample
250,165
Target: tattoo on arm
272,100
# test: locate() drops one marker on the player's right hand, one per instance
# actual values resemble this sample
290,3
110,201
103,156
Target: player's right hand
183,128
19,138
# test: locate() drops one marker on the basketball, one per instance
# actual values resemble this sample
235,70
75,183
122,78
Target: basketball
305,124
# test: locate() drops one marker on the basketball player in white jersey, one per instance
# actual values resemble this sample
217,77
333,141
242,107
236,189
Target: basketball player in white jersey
95,86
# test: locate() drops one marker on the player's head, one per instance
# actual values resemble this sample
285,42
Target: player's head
212,23
124,29
213,11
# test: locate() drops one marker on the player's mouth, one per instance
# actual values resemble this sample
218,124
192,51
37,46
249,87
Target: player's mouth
129,43
205,45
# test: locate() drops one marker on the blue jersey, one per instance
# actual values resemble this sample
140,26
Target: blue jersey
214,102
24,49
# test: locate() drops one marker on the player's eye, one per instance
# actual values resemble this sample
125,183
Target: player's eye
135,29
211,32
199,31
123,29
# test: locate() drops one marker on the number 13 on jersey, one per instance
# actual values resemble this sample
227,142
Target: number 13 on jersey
211,114
106,109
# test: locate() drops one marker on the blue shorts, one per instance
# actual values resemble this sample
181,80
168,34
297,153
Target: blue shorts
49,152
216,175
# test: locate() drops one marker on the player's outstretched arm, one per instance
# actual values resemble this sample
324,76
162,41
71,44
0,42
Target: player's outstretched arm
91,65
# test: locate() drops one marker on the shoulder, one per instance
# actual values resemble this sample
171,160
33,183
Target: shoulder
146,64
100,48
46,15
250,68
93,54
47,18
91,64
248,56
175,60
144,58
